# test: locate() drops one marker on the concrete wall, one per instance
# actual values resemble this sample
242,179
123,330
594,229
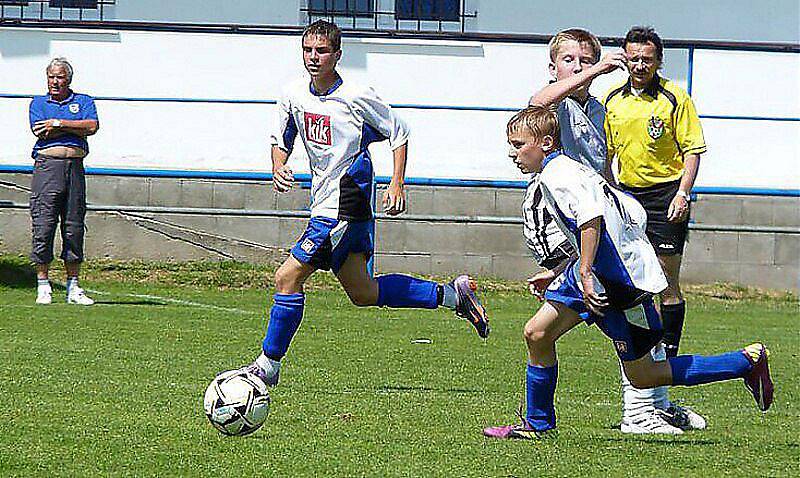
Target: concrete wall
765,259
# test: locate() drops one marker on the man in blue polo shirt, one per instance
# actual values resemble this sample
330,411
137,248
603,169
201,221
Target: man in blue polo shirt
61,120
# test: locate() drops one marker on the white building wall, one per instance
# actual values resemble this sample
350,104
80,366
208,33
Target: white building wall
182,125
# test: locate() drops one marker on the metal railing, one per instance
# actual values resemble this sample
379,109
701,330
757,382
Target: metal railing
384,15
56,10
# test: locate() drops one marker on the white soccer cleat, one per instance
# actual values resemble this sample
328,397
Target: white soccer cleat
651,422
77,296
683,417
44,296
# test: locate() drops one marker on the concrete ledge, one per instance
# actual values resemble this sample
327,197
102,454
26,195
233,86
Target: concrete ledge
764,259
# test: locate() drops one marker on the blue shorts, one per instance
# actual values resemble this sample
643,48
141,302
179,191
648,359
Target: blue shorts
633,331
326,242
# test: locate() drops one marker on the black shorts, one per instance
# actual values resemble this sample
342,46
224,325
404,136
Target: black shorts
666,237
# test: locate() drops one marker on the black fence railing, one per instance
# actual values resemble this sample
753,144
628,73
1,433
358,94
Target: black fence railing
396,15
57,10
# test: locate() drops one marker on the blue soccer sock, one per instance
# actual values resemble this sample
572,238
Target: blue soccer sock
400,291
541,390
697,369
284,319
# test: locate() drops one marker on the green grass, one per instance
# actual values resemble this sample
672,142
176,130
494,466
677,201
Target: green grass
116,389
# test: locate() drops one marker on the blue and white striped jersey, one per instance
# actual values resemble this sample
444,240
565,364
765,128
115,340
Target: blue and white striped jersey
336,127
575,194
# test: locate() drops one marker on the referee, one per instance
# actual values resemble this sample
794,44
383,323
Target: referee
61,120
653,129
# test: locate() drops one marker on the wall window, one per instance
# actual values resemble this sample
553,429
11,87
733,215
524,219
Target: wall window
342,7
440,10
73,3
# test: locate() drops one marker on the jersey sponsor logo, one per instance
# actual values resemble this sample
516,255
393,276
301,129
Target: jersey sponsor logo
74,108
655,127
621,346
318,128
307,246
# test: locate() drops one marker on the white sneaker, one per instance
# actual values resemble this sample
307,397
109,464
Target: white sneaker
683,417
77,296
650,422
44,296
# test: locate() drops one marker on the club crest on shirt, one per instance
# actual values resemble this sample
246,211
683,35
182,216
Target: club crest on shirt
621,346
318,128
74,108
655,127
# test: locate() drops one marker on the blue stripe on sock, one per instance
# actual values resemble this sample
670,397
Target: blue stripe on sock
697,369
401,291
284,320
541,390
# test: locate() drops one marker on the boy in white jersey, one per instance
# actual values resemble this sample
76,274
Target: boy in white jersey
574,63
336,121
610,285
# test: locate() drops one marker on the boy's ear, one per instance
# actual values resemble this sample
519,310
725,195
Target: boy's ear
552,69
548,143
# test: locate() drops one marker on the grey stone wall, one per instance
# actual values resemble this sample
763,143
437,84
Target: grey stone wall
751,241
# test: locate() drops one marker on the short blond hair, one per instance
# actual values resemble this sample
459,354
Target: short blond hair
577,34
539,120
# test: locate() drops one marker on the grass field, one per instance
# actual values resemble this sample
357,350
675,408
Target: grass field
116,389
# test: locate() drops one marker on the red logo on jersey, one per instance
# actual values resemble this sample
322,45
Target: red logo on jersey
318,128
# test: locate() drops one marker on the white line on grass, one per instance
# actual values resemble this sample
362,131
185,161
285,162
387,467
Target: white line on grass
169,300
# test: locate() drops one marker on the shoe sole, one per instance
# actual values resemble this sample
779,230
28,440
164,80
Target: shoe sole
762,388
475,312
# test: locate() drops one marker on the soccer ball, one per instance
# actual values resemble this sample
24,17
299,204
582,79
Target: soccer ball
236,402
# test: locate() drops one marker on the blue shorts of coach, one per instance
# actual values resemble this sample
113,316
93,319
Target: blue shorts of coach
326,242
634,331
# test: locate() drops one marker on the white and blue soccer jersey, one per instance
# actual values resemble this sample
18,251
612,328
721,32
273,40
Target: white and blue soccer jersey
575,194
336,127
547,243
582,139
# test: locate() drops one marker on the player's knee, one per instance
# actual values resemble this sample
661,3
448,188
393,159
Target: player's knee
533,335
287,281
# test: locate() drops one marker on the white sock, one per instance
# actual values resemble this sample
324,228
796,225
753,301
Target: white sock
660,398
71,282
269,366
642,400
449,296
43,285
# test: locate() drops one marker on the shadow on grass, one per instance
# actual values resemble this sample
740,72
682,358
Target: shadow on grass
17,273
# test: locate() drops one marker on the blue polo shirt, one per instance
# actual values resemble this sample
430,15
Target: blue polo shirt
74,107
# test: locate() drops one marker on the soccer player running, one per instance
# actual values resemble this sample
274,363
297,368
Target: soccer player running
336,121
611,284
574,63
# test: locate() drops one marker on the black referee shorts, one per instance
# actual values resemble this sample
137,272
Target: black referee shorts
667,238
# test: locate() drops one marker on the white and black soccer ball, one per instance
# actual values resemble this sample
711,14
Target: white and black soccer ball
236,402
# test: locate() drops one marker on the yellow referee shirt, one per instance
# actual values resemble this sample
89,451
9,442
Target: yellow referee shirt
651,132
